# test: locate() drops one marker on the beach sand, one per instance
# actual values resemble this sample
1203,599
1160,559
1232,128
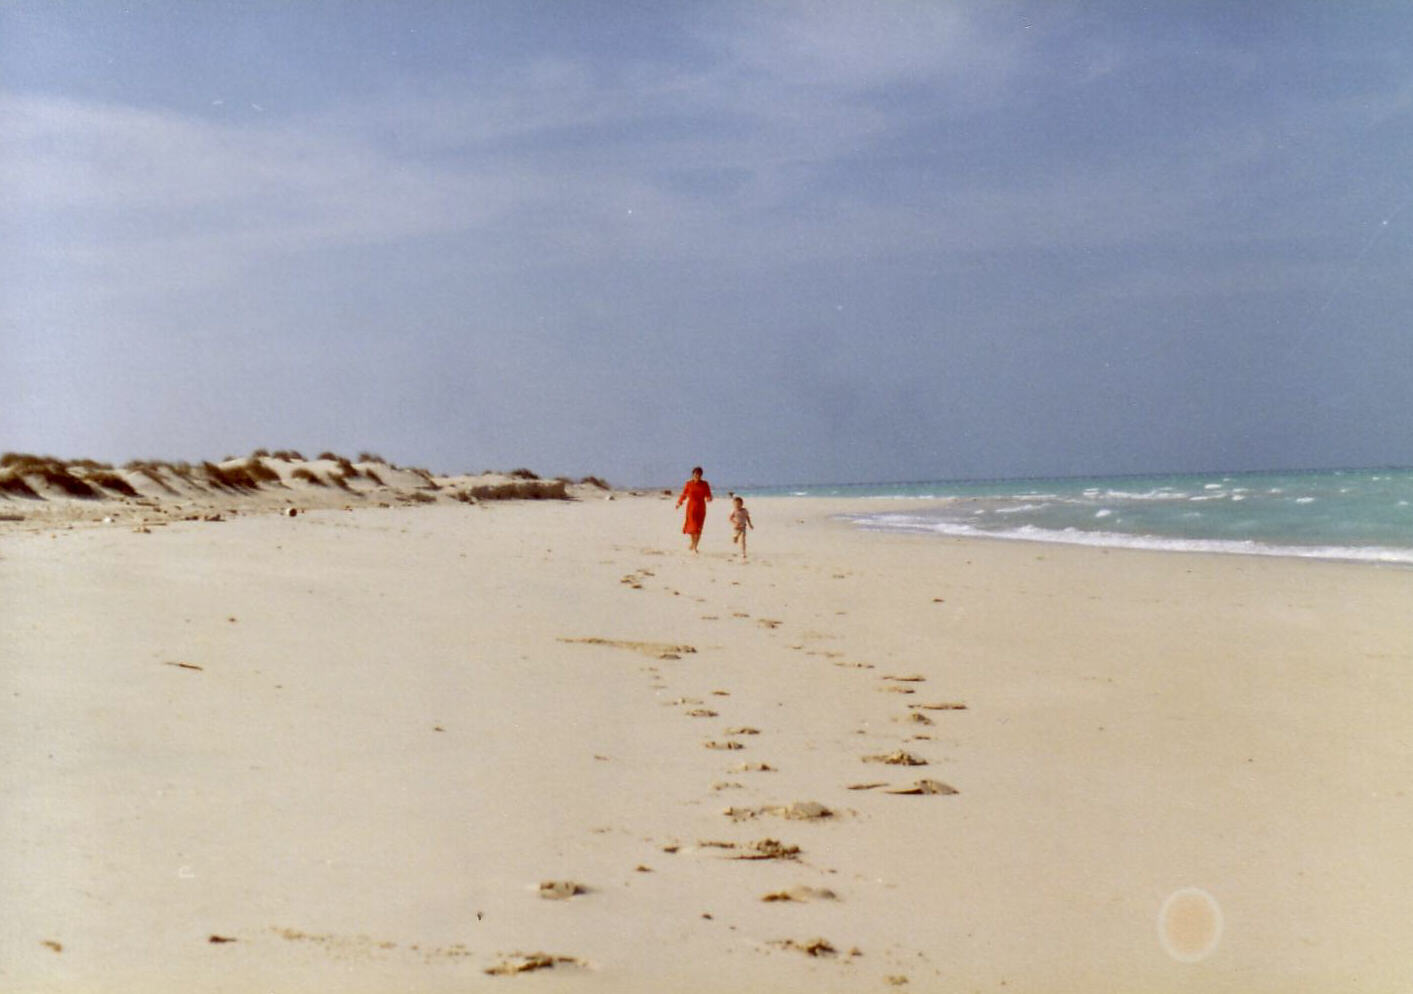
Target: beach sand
396,748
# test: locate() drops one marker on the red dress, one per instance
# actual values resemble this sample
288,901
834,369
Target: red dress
696,493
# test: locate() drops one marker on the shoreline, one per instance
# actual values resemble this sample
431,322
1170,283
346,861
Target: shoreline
437,709
853,510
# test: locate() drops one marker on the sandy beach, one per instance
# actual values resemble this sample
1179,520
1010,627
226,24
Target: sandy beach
535,745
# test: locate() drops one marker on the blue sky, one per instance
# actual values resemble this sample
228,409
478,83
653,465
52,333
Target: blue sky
789,241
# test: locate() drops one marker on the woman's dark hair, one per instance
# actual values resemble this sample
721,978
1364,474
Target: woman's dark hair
696,469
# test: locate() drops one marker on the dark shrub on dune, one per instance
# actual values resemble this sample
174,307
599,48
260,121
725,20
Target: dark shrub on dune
332,457
348,469
259,472
371,457
426,474
373,477
288,455
309,476
595,481
235,478
260,454
523,474
52,471
521,490
14,485
112,481
57,476
151,470
89,464
418,497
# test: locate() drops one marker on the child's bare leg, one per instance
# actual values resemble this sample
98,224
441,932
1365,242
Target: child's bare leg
743,545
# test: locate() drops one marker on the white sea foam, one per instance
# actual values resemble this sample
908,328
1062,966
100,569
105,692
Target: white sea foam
1305,500
1103,512
1021,508
1072,536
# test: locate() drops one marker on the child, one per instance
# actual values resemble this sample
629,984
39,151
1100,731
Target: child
740,521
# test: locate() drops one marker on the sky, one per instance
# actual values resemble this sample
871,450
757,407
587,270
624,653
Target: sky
789,241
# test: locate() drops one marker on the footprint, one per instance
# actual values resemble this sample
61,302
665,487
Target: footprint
728,745
795,811
910,678
650,648
752,768
941,706
801,893
867,786
810,947
769,849
893,688
898,758
914,718
743,730
529,962
702,713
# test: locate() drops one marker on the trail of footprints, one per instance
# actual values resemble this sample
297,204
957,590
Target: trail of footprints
772,849
730,740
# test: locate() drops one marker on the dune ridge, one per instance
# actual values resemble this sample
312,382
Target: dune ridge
145,492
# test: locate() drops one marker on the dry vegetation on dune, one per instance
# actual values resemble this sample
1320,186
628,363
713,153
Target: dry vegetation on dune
12,484
109,480
35,477
53,472
151,470
520,490
259,472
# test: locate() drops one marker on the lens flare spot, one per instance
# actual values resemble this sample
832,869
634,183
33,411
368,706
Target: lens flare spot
1190,924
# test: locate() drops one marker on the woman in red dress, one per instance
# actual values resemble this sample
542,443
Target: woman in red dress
696,493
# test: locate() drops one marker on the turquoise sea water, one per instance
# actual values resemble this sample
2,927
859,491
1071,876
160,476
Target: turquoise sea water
1364,515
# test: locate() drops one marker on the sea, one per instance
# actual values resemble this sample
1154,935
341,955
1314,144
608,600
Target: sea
1344,514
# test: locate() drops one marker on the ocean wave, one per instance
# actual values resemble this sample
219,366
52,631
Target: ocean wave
1022,508
1073,536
